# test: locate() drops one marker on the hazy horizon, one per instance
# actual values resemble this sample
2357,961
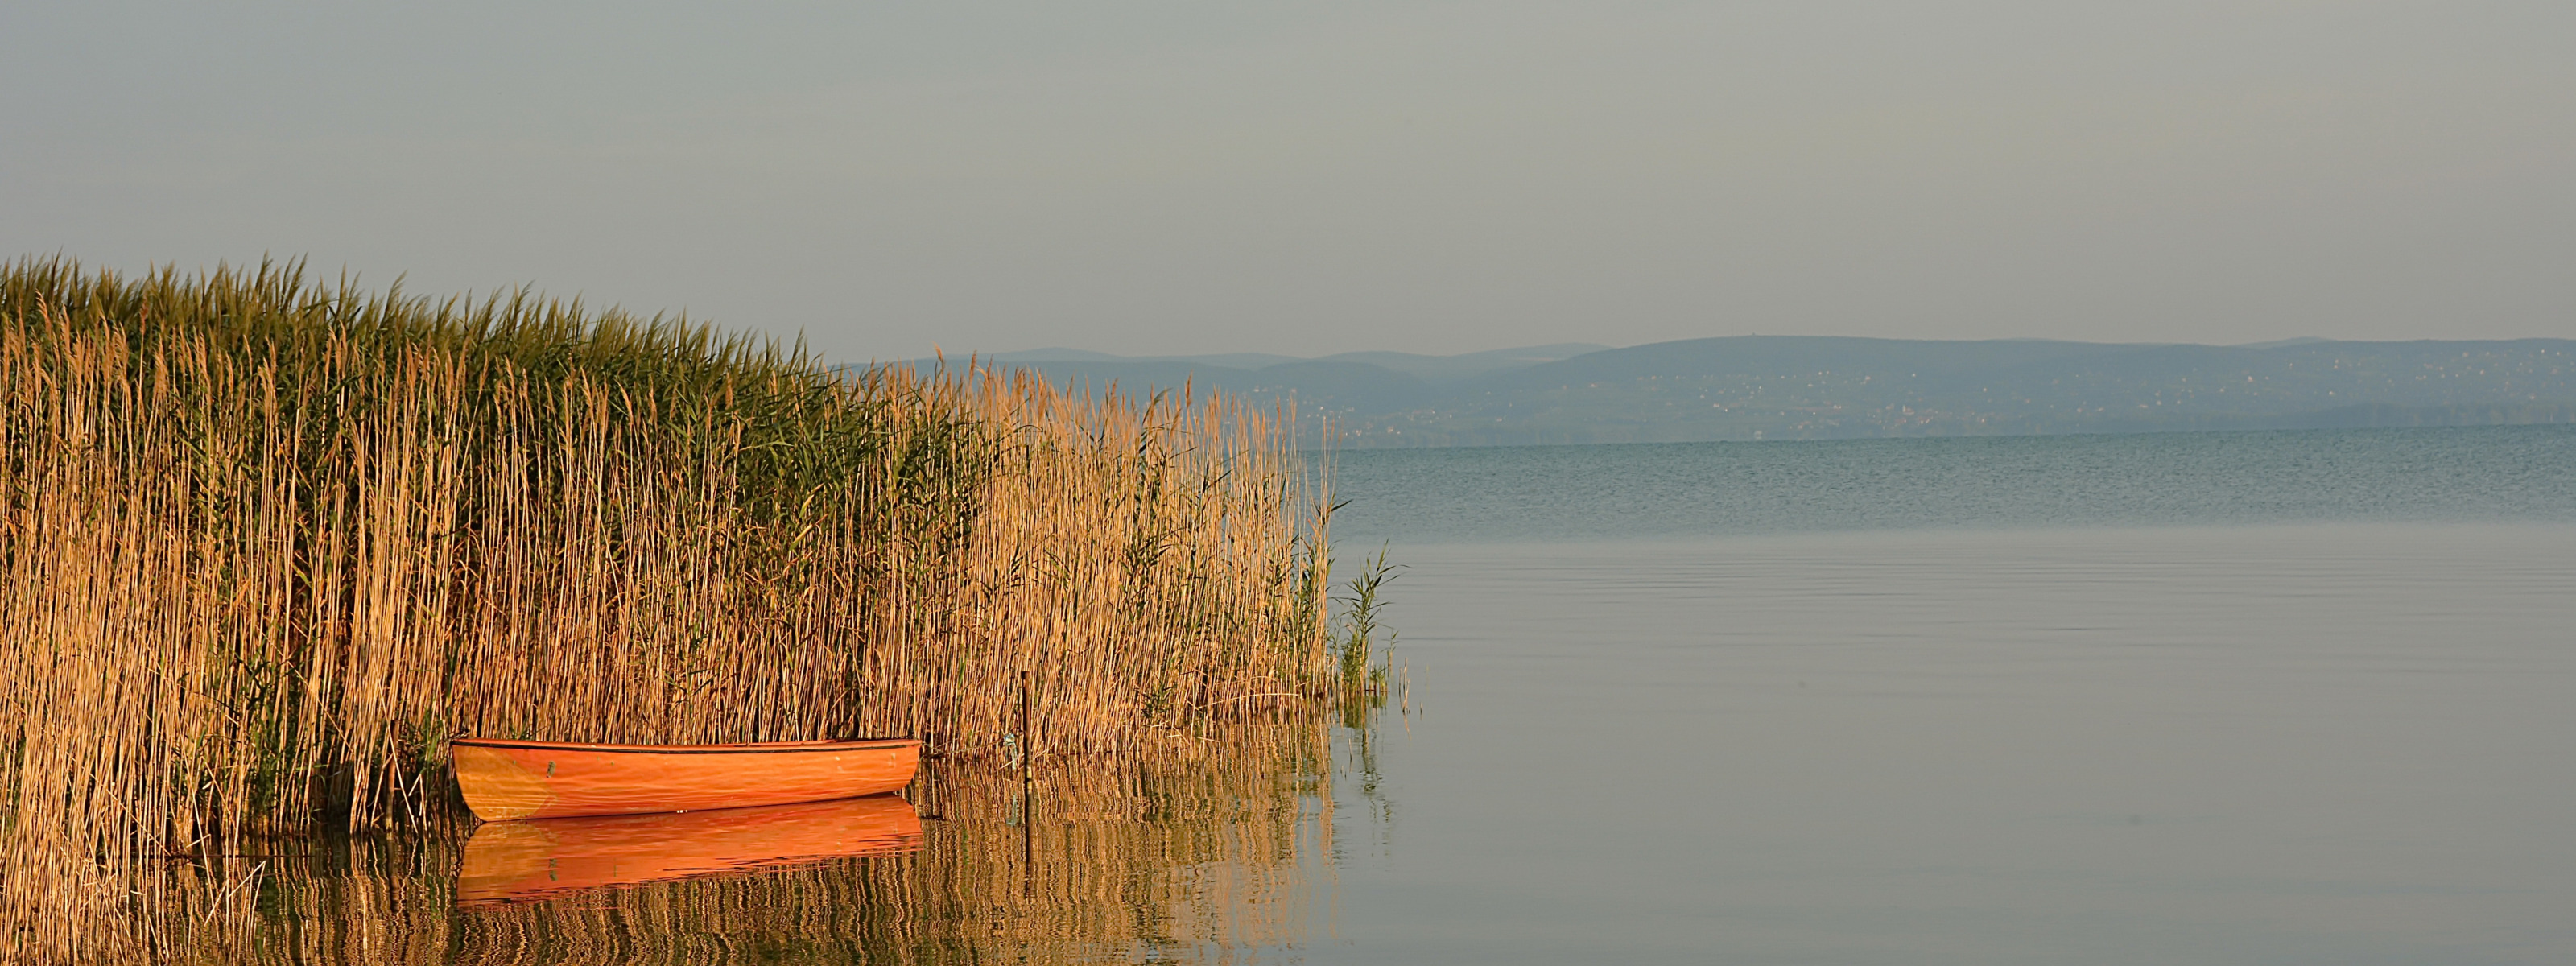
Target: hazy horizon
1156,178
1437,353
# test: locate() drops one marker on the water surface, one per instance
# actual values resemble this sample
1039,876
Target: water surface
2327,743
2459,475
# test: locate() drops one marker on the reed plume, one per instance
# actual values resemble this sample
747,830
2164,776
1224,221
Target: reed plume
266,544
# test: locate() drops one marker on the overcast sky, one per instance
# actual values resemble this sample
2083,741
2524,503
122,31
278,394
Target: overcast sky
1321,176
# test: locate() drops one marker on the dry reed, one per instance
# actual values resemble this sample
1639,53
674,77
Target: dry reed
265,545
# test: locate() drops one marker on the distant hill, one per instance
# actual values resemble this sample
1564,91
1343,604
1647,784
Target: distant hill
1439,370
1804,387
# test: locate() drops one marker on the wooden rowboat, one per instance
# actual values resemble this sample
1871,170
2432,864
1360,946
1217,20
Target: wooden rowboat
506,780
551,857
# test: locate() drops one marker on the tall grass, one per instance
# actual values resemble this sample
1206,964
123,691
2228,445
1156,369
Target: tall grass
265,544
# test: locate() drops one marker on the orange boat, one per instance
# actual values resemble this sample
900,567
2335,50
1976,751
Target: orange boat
547,858
506,780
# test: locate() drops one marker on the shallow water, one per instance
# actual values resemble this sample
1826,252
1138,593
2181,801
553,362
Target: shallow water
1190,854
2222,698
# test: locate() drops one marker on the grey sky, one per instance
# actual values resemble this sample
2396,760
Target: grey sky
1316,177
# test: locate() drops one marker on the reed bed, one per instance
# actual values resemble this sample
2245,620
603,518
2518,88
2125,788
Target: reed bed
266,544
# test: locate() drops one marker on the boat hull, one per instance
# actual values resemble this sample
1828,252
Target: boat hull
505,780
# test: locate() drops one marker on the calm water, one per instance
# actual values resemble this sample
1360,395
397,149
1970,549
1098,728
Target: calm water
2219,698
2513,474
2328,743
2212,698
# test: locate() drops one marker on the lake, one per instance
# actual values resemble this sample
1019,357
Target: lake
2296,697
2240,697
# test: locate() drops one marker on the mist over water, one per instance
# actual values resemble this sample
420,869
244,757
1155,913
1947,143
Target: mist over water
2244,697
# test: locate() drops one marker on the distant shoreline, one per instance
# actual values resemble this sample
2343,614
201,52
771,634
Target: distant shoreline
1813,387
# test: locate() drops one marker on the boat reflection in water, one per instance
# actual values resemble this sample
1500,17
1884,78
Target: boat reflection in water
548,858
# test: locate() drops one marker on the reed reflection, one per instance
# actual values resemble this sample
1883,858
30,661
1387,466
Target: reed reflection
1197,849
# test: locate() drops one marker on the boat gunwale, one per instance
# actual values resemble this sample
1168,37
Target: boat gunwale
748,748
